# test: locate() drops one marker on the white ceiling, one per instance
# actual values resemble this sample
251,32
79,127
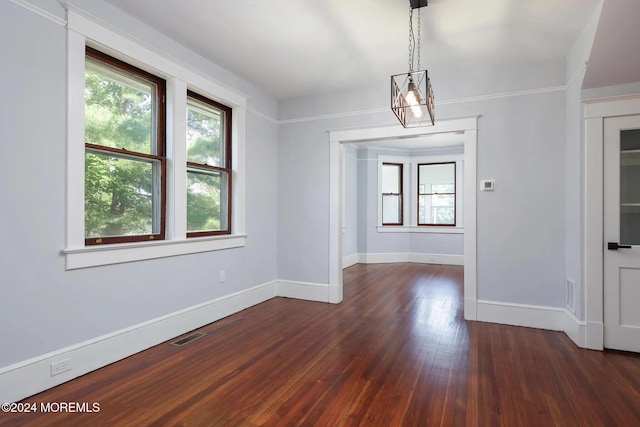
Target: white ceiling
615,57
292,48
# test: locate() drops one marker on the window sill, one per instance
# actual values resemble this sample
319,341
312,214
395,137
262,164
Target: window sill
421,229
94,256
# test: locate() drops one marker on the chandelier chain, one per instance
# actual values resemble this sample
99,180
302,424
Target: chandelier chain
412,98
411,39
418,48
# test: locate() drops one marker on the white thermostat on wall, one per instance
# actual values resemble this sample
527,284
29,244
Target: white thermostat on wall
487,185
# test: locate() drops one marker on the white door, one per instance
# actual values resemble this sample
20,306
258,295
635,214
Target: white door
622,233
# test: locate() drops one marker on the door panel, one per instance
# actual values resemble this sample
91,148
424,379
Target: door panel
629,289
622,233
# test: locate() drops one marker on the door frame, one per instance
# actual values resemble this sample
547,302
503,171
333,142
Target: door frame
595,112
466,125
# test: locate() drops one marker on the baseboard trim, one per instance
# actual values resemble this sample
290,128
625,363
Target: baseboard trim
389,258
575,329
531,316
418,258
303,290
594,336
470,309
32,376
350,260
436,259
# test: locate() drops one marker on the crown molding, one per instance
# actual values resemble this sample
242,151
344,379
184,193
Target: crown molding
39,11
265,116
334,115
69,5
488,97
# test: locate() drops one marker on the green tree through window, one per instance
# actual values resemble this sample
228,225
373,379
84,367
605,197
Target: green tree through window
208,167
124,152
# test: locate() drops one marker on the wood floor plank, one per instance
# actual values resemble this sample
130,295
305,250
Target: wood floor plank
396,352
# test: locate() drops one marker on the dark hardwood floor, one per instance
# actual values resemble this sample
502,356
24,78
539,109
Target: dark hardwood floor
396,352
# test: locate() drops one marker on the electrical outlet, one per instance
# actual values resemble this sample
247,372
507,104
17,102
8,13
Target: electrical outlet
223,276
60,367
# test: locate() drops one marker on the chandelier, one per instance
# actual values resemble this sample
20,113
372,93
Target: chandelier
411,93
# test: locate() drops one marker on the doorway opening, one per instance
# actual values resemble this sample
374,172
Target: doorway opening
467,128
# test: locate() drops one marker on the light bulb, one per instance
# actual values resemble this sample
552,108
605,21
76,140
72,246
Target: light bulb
413,99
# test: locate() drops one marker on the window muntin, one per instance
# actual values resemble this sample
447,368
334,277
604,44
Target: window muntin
437,194
85,32
125,164
208,167
392,194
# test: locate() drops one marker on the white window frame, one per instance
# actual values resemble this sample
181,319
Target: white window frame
81,31
410,200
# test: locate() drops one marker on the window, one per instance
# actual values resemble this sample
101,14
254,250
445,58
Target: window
436,187
391,194
208,167
148,219
125,164
437,194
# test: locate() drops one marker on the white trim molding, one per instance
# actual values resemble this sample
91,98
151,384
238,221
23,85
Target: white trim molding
468,126
575,329
82,30
390,258
39,11
410,164
416,258
531,316
303,290
444,259
93,256
125,46
419,229
349,260
594,335
535,316
33,376
384,110
595,112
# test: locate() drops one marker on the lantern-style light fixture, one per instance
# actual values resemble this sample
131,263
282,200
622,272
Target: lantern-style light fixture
411,93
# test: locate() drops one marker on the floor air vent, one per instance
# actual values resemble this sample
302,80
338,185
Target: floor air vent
187,339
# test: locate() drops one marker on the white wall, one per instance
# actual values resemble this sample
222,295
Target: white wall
608,41
376,242
351,194
574,155
363,201
573,203
527,238
613,91
520,145
451,85
44,308
521,224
